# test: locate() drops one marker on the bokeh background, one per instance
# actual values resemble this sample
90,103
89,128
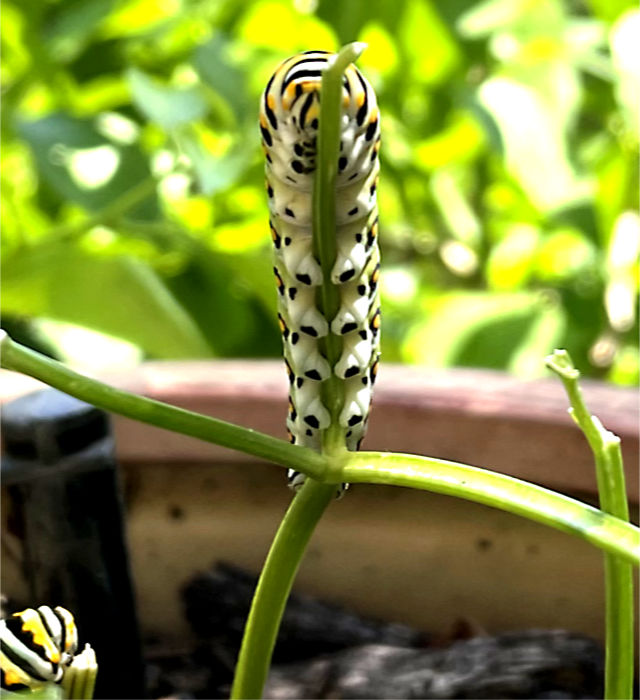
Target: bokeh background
133,211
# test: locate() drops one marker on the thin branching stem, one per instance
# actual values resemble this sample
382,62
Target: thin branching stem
619,661
20,359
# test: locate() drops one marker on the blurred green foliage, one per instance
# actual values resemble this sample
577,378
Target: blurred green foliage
132,177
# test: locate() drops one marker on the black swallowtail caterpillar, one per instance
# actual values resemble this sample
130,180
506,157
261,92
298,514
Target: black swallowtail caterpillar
289,111
36,645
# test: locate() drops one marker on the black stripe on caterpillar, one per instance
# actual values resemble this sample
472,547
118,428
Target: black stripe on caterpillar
289,110
36,645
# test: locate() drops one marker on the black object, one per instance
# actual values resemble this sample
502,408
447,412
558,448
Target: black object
217,604
341,655
59,464
531,664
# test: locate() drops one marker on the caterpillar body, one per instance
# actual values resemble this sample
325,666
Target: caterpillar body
289,111
36,645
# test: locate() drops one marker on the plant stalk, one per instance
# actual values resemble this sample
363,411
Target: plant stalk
490,488
20,359
618,575
290,543
324,230
274,586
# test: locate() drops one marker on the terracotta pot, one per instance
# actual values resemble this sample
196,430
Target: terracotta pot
406,556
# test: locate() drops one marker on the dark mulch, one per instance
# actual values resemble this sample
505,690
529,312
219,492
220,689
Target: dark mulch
324,651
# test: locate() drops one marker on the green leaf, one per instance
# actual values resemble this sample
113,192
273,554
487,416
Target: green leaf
167,106
280,27
564,253
82,165
119,296
536,152
349,18
610,10
214,67
71,27
624,49
216,291
476,329
460,141
511,261
431,51
216,173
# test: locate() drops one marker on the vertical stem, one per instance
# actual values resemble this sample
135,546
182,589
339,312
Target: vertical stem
613,499
324,228
310,503
274,586
618,576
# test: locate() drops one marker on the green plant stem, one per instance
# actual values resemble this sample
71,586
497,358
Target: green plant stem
274,587
308,506
110,213
20,359
611,534
324,229
619,660
498,491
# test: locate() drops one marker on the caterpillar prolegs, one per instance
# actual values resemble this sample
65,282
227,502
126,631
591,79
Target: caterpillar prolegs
289,111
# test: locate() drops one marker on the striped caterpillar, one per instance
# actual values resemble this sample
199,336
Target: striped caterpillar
36,646
289,111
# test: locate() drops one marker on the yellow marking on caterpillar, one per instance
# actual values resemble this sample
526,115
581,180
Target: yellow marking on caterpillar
13,674
32,622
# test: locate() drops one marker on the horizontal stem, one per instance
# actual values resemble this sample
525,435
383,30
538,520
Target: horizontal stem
20,359
499,491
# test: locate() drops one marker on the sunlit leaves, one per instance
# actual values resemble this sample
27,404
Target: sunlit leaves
431,53
271,23
473,329
511,261
167,106
508,185
82,165
534,146
461,140
61,281
213,63
624,49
